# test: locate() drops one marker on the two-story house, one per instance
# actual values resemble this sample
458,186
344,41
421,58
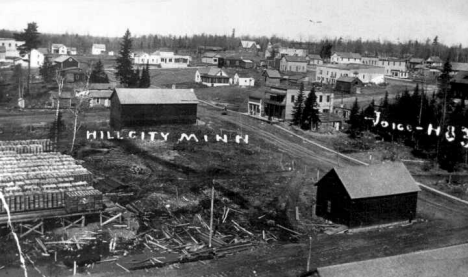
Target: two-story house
57,48
293,64
212,77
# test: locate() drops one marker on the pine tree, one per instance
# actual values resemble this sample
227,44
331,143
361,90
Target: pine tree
310,115
30,36
145,80
47,71
355,120
298,106
124,69
98,75
369,112
135,80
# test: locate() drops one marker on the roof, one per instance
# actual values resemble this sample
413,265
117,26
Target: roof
129,96
296,59
72,48
100,93
416,60
243,75
351,66
434,59
61,59
209,71
211,54
376,180
459,66
461,78
57,45
248,43
99,46
347,79
314,57
100,86
446,261
272,73
140,54
348,55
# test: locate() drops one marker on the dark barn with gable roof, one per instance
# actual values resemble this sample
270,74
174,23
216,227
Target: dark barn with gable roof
367,195
133,107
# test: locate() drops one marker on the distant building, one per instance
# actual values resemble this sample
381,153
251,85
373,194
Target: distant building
44,51
345,57
243,80
98,49
348,84
11,46
249,46
314,59
164,59
37,58
149,107
414,62
100,94
58,49
2,53
459,85
203,49
293,64
457,67
72,51
394,67
370,60
434,61
272,77
210,58
212,77
329,73
236,62
64,62
292,51
110,53
367,195
66,98
255,103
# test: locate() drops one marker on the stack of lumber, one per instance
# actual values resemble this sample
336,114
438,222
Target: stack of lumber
38,180
27,146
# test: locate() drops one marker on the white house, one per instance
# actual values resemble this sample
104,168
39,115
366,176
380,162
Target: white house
394,67
329,73
37,58
212,77
98,49
110,53
11,46
58,49
165,59
243,80
345,57
141,58
72,51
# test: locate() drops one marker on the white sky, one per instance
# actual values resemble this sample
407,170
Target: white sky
379,19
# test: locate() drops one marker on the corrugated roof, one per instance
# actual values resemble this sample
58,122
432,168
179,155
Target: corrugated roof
210,55
447,261
272,73
314,57
376,180
100,86
155,96
416,60
61,59
297,59
348,55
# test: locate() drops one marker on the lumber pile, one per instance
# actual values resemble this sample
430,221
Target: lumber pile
27,146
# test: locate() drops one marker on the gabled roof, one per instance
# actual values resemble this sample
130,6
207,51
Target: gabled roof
461,78
296,59
211,55
434,59
243,75
347,79
248,43
72,48
459,66
140,54
57,45
272,73
348,55
376,180
129,96
99,46
63,58
210,71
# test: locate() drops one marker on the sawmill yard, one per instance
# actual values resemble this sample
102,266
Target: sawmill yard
164,189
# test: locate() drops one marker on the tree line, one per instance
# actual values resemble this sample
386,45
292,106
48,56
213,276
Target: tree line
433,125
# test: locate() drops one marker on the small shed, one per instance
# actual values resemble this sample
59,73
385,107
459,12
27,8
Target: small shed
272,76
135,107
243,79
347,84
64,62
367,195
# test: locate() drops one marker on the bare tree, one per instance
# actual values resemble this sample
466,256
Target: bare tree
59,78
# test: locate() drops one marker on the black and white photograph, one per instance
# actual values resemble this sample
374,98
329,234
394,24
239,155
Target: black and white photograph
207,138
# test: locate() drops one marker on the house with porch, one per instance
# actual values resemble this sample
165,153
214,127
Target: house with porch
255,103
212,77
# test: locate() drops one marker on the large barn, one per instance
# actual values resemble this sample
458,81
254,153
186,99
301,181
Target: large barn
367,195
134,107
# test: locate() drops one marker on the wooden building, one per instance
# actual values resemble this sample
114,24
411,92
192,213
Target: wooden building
347,84
272,77
367,195
459,85
64,62
133,107
212,77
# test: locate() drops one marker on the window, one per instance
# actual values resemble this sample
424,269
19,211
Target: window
97,100
292,98
321,97
328,206
328,98
363,76
9,44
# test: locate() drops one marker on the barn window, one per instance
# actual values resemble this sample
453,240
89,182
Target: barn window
292,98
328,206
